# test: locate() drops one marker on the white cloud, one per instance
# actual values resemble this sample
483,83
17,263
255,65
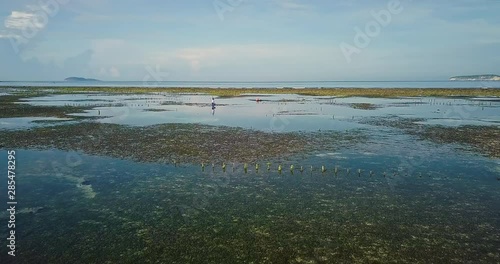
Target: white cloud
225,51
22,20
21,26
233,62
7,35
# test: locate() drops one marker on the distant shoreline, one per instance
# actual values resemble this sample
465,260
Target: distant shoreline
80,79
477,78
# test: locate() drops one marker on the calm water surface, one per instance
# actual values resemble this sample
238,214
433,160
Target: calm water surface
392,198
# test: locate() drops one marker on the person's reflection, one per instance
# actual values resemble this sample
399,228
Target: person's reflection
213,106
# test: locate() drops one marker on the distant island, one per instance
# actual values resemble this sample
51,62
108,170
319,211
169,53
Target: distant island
80,79
484,77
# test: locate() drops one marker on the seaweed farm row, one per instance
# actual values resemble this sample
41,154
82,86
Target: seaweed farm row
293,169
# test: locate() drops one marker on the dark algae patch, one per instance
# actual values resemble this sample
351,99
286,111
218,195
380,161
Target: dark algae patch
364,106
485,139
10,106
169,142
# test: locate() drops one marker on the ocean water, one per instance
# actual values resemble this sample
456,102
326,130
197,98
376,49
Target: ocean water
393,197
433,204
274,84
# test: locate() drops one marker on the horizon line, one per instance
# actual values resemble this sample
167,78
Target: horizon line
225,81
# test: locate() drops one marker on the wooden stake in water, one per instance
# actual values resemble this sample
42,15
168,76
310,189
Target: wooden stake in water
323,169
301,169
359,172
336,171
279,168
268,166
245,167
291,169
202,166
257,167
223,167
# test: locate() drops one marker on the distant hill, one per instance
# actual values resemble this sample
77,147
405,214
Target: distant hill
80,79
484,77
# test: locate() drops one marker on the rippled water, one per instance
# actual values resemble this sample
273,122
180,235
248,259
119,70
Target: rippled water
391,198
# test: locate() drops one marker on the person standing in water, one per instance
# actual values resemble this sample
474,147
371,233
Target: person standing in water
213,106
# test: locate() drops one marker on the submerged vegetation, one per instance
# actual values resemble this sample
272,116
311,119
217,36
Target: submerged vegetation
180,142
157,213
12,106
364,106
485,139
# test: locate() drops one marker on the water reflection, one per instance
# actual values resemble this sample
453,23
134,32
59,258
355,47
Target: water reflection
278,113
213,106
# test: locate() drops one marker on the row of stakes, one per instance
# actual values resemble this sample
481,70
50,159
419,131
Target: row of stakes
336,169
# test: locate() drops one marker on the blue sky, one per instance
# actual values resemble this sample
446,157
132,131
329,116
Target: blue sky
248,40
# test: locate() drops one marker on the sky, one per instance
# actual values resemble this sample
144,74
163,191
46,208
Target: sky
248,40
